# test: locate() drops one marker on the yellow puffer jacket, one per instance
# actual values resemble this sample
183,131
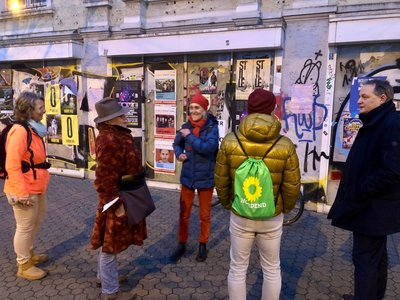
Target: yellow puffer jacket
257,133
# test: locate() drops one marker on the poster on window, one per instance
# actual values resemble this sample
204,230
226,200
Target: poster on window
351,126
6,99
53,123
165,121
208,80
129,93
68,103
222,129
244,78
165,83
70,132
252,74
52,100
261,73
131,73
164,156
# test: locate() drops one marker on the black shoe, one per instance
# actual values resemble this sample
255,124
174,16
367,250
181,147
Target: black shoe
348,297
202,255
180,250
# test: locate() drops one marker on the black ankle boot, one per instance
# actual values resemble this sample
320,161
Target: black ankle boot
202,255
178,253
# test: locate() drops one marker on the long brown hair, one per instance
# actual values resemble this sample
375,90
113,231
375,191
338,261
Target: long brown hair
24,106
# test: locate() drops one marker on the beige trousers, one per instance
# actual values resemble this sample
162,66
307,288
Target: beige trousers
266,234
28,220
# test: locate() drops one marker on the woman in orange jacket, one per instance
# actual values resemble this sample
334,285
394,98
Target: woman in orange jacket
25,186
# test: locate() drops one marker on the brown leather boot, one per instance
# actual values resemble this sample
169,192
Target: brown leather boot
38,258
30,272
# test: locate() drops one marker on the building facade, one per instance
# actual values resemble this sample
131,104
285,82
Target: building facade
153,55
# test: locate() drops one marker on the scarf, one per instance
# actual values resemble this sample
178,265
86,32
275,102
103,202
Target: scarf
38,127
197,125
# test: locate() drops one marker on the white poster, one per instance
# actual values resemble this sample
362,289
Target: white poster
164,156
244,78
252,74
261,73
302,99
222,128
165,83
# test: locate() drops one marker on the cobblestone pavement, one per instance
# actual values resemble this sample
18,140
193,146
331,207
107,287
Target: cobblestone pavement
316,261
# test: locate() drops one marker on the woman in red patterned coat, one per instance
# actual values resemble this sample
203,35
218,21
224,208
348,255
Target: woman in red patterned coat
116,156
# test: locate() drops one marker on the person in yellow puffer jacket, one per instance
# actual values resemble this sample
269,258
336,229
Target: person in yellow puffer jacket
26,188
257,133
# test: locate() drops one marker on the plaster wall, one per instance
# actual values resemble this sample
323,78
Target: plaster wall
304,62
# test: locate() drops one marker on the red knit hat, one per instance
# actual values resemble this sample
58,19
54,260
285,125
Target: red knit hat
199,99
261,101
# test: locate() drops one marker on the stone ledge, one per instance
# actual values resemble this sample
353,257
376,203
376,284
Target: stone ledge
97,3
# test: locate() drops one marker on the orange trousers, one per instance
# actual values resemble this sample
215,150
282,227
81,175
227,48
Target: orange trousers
186,203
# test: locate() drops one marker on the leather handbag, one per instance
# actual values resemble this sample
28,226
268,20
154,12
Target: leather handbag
137,200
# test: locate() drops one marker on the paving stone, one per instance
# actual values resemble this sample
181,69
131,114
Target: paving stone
315,257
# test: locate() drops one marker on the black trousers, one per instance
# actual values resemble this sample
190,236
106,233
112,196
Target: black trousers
370,266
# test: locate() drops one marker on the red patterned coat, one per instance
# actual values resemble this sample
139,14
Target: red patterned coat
116,155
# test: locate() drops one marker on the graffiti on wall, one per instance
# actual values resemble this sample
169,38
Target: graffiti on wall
329,80
351,69
312,156
305,127
310,72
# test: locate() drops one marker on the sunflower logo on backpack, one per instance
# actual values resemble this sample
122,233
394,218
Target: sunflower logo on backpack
253,187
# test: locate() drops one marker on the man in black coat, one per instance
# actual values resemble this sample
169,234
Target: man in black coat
368,198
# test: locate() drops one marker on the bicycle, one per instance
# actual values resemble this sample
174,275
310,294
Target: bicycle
295,214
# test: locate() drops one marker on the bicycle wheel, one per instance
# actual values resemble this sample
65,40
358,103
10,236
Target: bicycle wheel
295,213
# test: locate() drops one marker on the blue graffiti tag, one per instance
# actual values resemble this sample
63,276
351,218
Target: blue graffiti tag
305,122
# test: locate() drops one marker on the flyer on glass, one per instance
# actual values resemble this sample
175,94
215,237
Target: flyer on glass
165,121
165,83
164,156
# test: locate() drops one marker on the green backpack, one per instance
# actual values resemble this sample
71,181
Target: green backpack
254,195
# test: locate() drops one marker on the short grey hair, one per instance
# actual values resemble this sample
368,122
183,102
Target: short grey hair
382,87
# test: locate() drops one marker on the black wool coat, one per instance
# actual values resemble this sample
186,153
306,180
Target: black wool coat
368,197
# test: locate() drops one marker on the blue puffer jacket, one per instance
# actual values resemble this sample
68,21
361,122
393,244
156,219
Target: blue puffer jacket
198,168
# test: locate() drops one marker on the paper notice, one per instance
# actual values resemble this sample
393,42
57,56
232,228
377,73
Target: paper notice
109,204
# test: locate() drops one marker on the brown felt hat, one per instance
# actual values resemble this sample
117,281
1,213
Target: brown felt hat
107,109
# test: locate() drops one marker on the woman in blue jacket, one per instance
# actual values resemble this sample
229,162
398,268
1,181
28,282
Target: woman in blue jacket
196,146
